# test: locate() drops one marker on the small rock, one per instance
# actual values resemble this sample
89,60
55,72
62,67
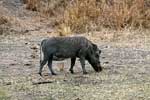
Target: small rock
77,99
36,50
8,83
26,43
32,56
27,64
34,47
26,31
103,57
12,64
65,80
106,62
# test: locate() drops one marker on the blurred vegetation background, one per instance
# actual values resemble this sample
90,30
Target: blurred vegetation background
81,16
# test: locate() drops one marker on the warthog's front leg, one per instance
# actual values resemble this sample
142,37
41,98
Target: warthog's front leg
73,60
82,61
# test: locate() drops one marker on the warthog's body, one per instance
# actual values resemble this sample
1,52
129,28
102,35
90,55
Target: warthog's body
60,48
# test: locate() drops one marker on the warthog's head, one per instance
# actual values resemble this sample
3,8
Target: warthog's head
94,58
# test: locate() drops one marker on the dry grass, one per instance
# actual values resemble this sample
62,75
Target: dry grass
92,15
3,94
3,20
125,75
32,4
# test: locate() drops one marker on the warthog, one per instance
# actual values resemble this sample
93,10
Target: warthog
60,48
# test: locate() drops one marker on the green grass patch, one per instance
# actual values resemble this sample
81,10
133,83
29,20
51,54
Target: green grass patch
3,94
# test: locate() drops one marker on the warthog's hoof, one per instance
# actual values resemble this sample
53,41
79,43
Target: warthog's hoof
40,73
54,74
85,73
71,71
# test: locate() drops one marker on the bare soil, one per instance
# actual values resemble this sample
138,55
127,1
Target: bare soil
125,75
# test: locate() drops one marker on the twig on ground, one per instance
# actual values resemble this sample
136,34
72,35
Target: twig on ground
42,82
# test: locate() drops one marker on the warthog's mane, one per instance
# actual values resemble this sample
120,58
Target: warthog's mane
80,40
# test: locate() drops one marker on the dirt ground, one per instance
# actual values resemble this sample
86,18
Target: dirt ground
125,75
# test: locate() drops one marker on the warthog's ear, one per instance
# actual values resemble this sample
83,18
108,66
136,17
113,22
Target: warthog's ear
94,46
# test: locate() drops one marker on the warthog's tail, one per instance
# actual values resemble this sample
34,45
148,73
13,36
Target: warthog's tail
41,51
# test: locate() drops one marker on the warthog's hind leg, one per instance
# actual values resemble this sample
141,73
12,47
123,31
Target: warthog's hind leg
50,65
42,63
